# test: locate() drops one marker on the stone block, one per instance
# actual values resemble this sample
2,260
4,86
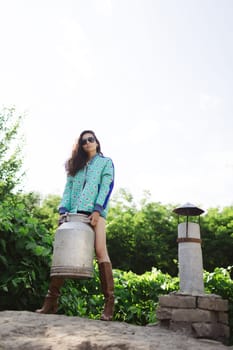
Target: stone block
194,315
183,327
223,317
212,303
163,313
211,330
177,301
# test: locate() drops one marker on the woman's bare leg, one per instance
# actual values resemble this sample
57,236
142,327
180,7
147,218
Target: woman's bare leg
100,241
105,270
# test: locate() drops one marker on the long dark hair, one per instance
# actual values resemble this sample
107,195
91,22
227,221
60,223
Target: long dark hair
79,157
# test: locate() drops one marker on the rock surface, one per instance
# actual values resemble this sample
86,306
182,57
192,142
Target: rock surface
27,330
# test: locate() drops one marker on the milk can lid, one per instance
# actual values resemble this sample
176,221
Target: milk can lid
188,209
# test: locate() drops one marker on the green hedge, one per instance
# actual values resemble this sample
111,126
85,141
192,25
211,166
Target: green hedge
136,296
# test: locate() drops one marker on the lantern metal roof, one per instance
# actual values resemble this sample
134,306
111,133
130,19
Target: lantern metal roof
188,209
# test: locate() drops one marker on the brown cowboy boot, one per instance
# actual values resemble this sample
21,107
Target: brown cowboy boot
107,284
50,305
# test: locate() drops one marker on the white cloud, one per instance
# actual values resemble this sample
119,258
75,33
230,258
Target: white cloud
75,49
219,159
143,131
210,103
103,7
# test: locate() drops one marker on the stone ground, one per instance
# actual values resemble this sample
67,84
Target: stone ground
24,330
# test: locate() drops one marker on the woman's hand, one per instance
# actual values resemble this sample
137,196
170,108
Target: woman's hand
94,217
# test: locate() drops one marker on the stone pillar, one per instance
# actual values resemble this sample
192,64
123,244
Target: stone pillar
190,259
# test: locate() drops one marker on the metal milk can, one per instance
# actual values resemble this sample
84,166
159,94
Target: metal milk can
73,248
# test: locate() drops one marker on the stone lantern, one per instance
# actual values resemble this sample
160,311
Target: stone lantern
189,251
190,310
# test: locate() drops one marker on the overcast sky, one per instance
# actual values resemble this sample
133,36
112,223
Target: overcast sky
152,78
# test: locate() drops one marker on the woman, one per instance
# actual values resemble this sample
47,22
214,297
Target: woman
90,180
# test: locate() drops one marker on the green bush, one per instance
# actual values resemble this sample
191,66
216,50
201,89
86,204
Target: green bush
136,297
26,247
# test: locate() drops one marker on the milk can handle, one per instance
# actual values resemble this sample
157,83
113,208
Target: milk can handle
63,218
66,217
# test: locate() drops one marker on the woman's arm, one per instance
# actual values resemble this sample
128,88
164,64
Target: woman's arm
106,186
65,204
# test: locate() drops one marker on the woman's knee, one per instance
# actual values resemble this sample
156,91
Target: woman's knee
102,255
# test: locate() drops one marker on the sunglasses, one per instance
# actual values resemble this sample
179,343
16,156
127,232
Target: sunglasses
90,139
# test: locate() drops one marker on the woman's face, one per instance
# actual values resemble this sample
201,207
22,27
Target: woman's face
88,143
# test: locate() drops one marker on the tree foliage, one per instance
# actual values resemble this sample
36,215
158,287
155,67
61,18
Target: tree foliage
25,228
217,237
143,237
10,151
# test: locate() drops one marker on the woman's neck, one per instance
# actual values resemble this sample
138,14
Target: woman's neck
91,155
